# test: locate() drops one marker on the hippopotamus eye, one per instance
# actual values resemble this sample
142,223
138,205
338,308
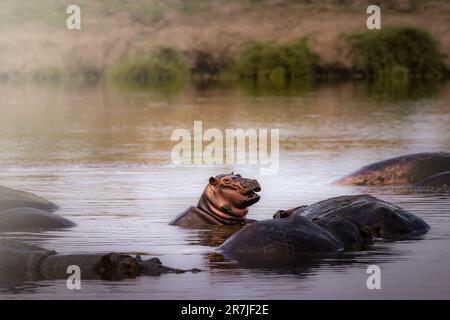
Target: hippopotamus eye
227,180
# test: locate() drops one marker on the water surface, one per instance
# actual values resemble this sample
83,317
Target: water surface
103,155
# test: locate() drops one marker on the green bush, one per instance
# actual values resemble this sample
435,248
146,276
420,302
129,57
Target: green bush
273,62
163,66
396,51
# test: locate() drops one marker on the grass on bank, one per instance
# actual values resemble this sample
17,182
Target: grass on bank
398,53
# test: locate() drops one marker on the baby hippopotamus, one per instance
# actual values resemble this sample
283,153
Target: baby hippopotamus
224,201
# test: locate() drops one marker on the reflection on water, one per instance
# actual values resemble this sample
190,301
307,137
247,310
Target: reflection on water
104,156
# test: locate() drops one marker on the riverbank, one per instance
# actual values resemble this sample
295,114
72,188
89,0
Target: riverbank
209,35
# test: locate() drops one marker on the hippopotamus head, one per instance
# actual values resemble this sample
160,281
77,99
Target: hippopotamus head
228,196
115,266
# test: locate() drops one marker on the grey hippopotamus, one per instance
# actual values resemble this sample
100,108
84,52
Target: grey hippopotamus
29,262
331,225
20,211
403,170
224,201
353,235
381,218
10,198
440,181
286,238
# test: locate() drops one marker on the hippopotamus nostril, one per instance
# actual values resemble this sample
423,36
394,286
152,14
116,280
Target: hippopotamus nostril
250,185
256,187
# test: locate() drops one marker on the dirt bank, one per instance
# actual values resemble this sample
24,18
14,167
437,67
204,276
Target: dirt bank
33,44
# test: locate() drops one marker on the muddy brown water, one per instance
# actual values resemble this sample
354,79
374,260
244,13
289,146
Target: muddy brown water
103,155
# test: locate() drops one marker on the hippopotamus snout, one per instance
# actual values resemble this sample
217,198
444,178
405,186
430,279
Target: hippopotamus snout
249,185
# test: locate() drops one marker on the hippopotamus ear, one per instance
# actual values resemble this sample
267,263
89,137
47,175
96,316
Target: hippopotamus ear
212,181
280,214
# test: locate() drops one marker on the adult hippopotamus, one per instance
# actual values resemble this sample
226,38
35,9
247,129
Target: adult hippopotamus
25,219
28,262
10,199
331,225
20,211
224,201
440,180
403,170
370,214
287,238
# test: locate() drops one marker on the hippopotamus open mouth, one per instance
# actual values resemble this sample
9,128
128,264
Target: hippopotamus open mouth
247,189
250,192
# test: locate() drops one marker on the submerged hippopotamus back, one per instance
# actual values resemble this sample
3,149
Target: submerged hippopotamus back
21,260
403,170
440,180
25,219
10,198
23,211
290,237
381,218
224,201
26,262
357,219
332,225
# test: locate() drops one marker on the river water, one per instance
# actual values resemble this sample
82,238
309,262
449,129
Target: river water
104,155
